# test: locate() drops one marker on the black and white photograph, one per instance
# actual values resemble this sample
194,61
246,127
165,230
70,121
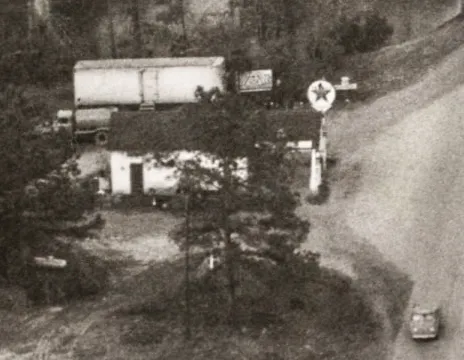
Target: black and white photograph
231,179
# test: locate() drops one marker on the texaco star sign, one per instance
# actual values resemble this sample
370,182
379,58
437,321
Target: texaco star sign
321,95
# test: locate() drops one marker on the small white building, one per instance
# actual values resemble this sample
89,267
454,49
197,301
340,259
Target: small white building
134,168
133,137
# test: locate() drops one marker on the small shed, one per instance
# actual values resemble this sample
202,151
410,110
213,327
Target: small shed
134,136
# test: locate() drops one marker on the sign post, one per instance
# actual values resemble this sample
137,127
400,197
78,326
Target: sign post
321,94
45,266
323,143
315,177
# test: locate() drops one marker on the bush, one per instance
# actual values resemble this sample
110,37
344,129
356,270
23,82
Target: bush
85,275
363,33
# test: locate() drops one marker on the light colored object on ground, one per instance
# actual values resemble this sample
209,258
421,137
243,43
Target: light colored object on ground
50,262
103,185
424,322
157,178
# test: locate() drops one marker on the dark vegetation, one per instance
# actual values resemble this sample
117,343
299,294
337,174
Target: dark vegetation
283,313
228,129
46,54
263,286
40,201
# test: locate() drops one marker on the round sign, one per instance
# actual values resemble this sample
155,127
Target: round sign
321,95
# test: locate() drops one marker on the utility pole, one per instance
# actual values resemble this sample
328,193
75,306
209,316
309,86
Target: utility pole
30,21
182,19
113,50
323,142
188,332
137,28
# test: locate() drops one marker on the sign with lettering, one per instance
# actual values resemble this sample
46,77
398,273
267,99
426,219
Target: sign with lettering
255,80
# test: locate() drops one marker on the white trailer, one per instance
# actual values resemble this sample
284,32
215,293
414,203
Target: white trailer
135,82
104,86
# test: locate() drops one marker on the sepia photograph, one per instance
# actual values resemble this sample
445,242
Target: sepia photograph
231,179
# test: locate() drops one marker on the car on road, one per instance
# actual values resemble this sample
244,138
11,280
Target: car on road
424,322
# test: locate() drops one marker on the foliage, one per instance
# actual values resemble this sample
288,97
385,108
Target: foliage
84,275
37,187
363,33
82,13
248,216
280,308
44,61
46,53
173,14
274,19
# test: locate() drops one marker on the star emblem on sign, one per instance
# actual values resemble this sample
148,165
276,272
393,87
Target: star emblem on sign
321,92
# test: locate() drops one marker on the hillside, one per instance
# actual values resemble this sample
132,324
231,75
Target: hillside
397,66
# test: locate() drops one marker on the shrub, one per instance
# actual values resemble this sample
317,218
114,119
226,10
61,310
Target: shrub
363,33
84,275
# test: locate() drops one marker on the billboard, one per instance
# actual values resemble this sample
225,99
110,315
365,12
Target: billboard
255,80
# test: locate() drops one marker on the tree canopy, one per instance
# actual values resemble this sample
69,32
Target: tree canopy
38,186
246,216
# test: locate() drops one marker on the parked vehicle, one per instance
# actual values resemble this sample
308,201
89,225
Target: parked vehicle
104,86
138,82
424,322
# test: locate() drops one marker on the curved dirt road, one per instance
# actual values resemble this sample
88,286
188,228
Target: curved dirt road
411,207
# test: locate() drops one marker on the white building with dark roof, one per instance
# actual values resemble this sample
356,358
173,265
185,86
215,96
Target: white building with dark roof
134,137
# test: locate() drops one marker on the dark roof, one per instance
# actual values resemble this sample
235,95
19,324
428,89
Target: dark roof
301,124
165,130
142,130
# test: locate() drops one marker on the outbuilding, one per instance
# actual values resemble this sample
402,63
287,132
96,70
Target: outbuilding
136,170
134,136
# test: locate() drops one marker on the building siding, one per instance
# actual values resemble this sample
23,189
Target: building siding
160,179
163,180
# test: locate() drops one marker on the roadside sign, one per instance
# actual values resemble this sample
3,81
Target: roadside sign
50,262
321,95
256,80
345,84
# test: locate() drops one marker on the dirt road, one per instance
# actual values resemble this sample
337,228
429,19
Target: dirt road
411,207
411,202
398,197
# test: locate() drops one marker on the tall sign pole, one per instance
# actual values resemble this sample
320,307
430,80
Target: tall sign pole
321,95
188,331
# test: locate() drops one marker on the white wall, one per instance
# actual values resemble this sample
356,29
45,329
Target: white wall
120,172
162,179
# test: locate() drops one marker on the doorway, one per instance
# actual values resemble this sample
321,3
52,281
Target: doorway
136,178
